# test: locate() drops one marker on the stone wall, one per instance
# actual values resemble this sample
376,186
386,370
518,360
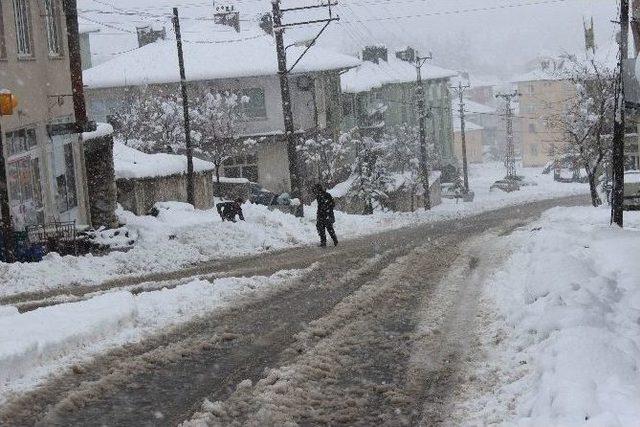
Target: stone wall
101,182
139,195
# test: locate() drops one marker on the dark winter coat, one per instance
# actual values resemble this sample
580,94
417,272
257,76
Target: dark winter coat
229,210
326,204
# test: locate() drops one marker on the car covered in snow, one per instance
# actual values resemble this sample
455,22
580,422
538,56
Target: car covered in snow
506,185
632,190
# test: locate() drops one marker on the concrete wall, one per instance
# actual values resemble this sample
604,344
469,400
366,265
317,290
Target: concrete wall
540,99
139,195
42,85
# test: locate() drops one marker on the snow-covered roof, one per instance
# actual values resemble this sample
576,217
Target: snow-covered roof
207,60
370,75
130,163
470,107
468,126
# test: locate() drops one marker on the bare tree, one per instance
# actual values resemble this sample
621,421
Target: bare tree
587,120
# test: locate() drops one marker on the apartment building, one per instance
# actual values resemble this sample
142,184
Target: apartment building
542,94
43,156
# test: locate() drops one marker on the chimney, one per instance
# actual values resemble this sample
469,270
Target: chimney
375,54
408,55
147,35
226,14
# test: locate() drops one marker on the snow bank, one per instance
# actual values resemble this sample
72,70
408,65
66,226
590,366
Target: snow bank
31,339
37,343
569,304
131,163
102,130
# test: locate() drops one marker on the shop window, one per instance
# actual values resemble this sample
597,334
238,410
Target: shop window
21,141
67,197
25,192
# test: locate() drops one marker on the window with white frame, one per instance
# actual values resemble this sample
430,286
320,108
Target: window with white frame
22,17
52,27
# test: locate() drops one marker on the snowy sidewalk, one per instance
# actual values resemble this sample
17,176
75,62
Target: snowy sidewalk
37,343
564,344
182,237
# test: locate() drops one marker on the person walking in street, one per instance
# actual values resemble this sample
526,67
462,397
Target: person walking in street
326,217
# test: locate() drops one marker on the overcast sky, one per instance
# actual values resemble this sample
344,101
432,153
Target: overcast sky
483,36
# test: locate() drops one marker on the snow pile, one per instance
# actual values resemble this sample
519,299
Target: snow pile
181,236
31,339
36,343
131,163
568,304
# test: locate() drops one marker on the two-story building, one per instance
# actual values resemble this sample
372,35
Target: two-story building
381,93
224,60
44,157
543,93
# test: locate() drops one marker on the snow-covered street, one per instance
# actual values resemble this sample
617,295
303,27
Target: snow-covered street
387,307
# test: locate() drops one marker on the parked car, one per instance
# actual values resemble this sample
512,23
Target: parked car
506,185
262,196
632,190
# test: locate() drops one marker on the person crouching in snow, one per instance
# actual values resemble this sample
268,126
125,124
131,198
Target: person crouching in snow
326,217
229,210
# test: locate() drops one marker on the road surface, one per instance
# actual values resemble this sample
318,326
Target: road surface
373,334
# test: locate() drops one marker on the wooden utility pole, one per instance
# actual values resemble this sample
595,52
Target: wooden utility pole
460,90
422,119
510,155
185,107
283,74
75,63
289,129
617,194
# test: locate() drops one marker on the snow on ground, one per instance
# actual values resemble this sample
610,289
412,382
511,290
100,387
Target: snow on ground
39,342
181,236
564,344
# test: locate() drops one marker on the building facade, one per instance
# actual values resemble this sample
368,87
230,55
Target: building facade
314,87
381,93
542,95
44,158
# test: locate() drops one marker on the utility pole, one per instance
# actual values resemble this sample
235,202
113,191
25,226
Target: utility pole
422,118
460,90
283,74
75,60
510,150
617,195
185,107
